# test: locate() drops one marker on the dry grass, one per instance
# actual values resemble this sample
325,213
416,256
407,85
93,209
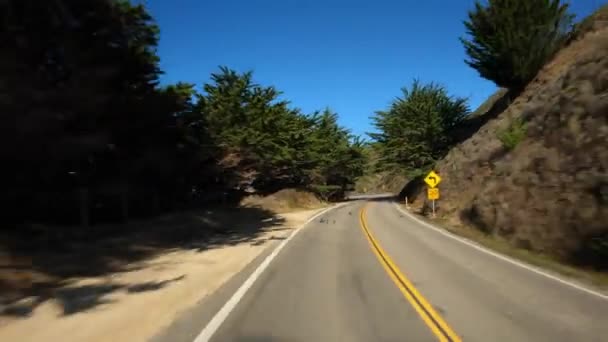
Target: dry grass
503,246
505,187
284,201
591,23
488,104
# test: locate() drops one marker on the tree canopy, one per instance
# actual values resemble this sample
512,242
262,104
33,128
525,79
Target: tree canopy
509,41
272,145
417,128
90,134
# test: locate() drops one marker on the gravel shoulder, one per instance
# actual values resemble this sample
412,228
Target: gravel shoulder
135,305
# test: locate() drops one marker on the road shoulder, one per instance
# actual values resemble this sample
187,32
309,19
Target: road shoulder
593,282
187,327
136,305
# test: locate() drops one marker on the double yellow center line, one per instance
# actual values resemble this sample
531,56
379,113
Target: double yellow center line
430,317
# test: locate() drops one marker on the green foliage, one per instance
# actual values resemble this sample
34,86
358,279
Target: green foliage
272,146
513,135
84,114
510,40
417,129
79,83
336,157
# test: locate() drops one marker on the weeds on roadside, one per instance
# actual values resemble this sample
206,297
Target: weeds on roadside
513,135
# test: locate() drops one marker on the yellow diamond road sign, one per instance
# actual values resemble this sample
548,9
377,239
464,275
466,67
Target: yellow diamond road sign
432,179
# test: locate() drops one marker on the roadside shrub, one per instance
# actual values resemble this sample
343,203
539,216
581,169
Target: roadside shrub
508,41
513,135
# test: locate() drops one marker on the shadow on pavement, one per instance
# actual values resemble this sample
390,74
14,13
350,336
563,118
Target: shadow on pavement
41,263
153,285
82,298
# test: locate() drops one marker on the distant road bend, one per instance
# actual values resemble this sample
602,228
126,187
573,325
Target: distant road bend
367,271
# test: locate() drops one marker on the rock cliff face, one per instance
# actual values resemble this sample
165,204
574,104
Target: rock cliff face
550,191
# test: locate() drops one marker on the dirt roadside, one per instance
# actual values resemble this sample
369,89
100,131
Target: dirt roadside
137,304
594,279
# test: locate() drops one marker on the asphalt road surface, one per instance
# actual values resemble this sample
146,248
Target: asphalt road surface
369,272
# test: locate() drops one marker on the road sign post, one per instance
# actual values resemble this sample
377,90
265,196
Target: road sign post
432,195
432,180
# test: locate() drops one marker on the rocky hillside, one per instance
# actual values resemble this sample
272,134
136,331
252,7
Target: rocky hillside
536,174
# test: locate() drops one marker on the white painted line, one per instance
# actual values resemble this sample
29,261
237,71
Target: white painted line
502,257
219,318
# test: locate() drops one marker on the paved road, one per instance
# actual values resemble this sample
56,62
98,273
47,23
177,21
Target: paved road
378,275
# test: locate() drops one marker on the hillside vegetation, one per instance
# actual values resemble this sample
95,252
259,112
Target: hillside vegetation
530,164
90,135
537,175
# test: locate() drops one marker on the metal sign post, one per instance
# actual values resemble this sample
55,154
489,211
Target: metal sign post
432,194
432,180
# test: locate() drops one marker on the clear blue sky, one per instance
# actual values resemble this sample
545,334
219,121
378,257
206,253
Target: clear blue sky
353,56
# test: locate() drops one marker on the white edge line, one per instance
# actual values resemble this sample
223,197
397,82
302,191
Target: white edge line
500,256
219,318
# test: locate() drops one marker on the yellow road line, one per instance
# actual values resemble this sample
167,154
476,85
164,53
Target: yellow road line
430,317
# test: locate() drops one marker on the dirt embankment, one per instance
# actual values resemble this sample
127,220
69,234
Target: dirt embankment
284,201
127,282
548,193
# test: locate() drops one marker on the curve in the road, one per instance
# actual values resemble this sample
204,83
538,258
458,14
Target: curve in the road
431,318
217,320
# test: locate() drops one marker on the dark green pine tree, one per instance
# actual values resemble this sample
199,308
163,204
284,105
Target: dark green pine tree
255,130
270,146
337,155
509,41
418,127
83,107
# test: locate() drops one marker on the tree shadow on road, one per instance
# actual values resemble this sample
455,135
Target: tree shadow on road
81,298
41,263
75,299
